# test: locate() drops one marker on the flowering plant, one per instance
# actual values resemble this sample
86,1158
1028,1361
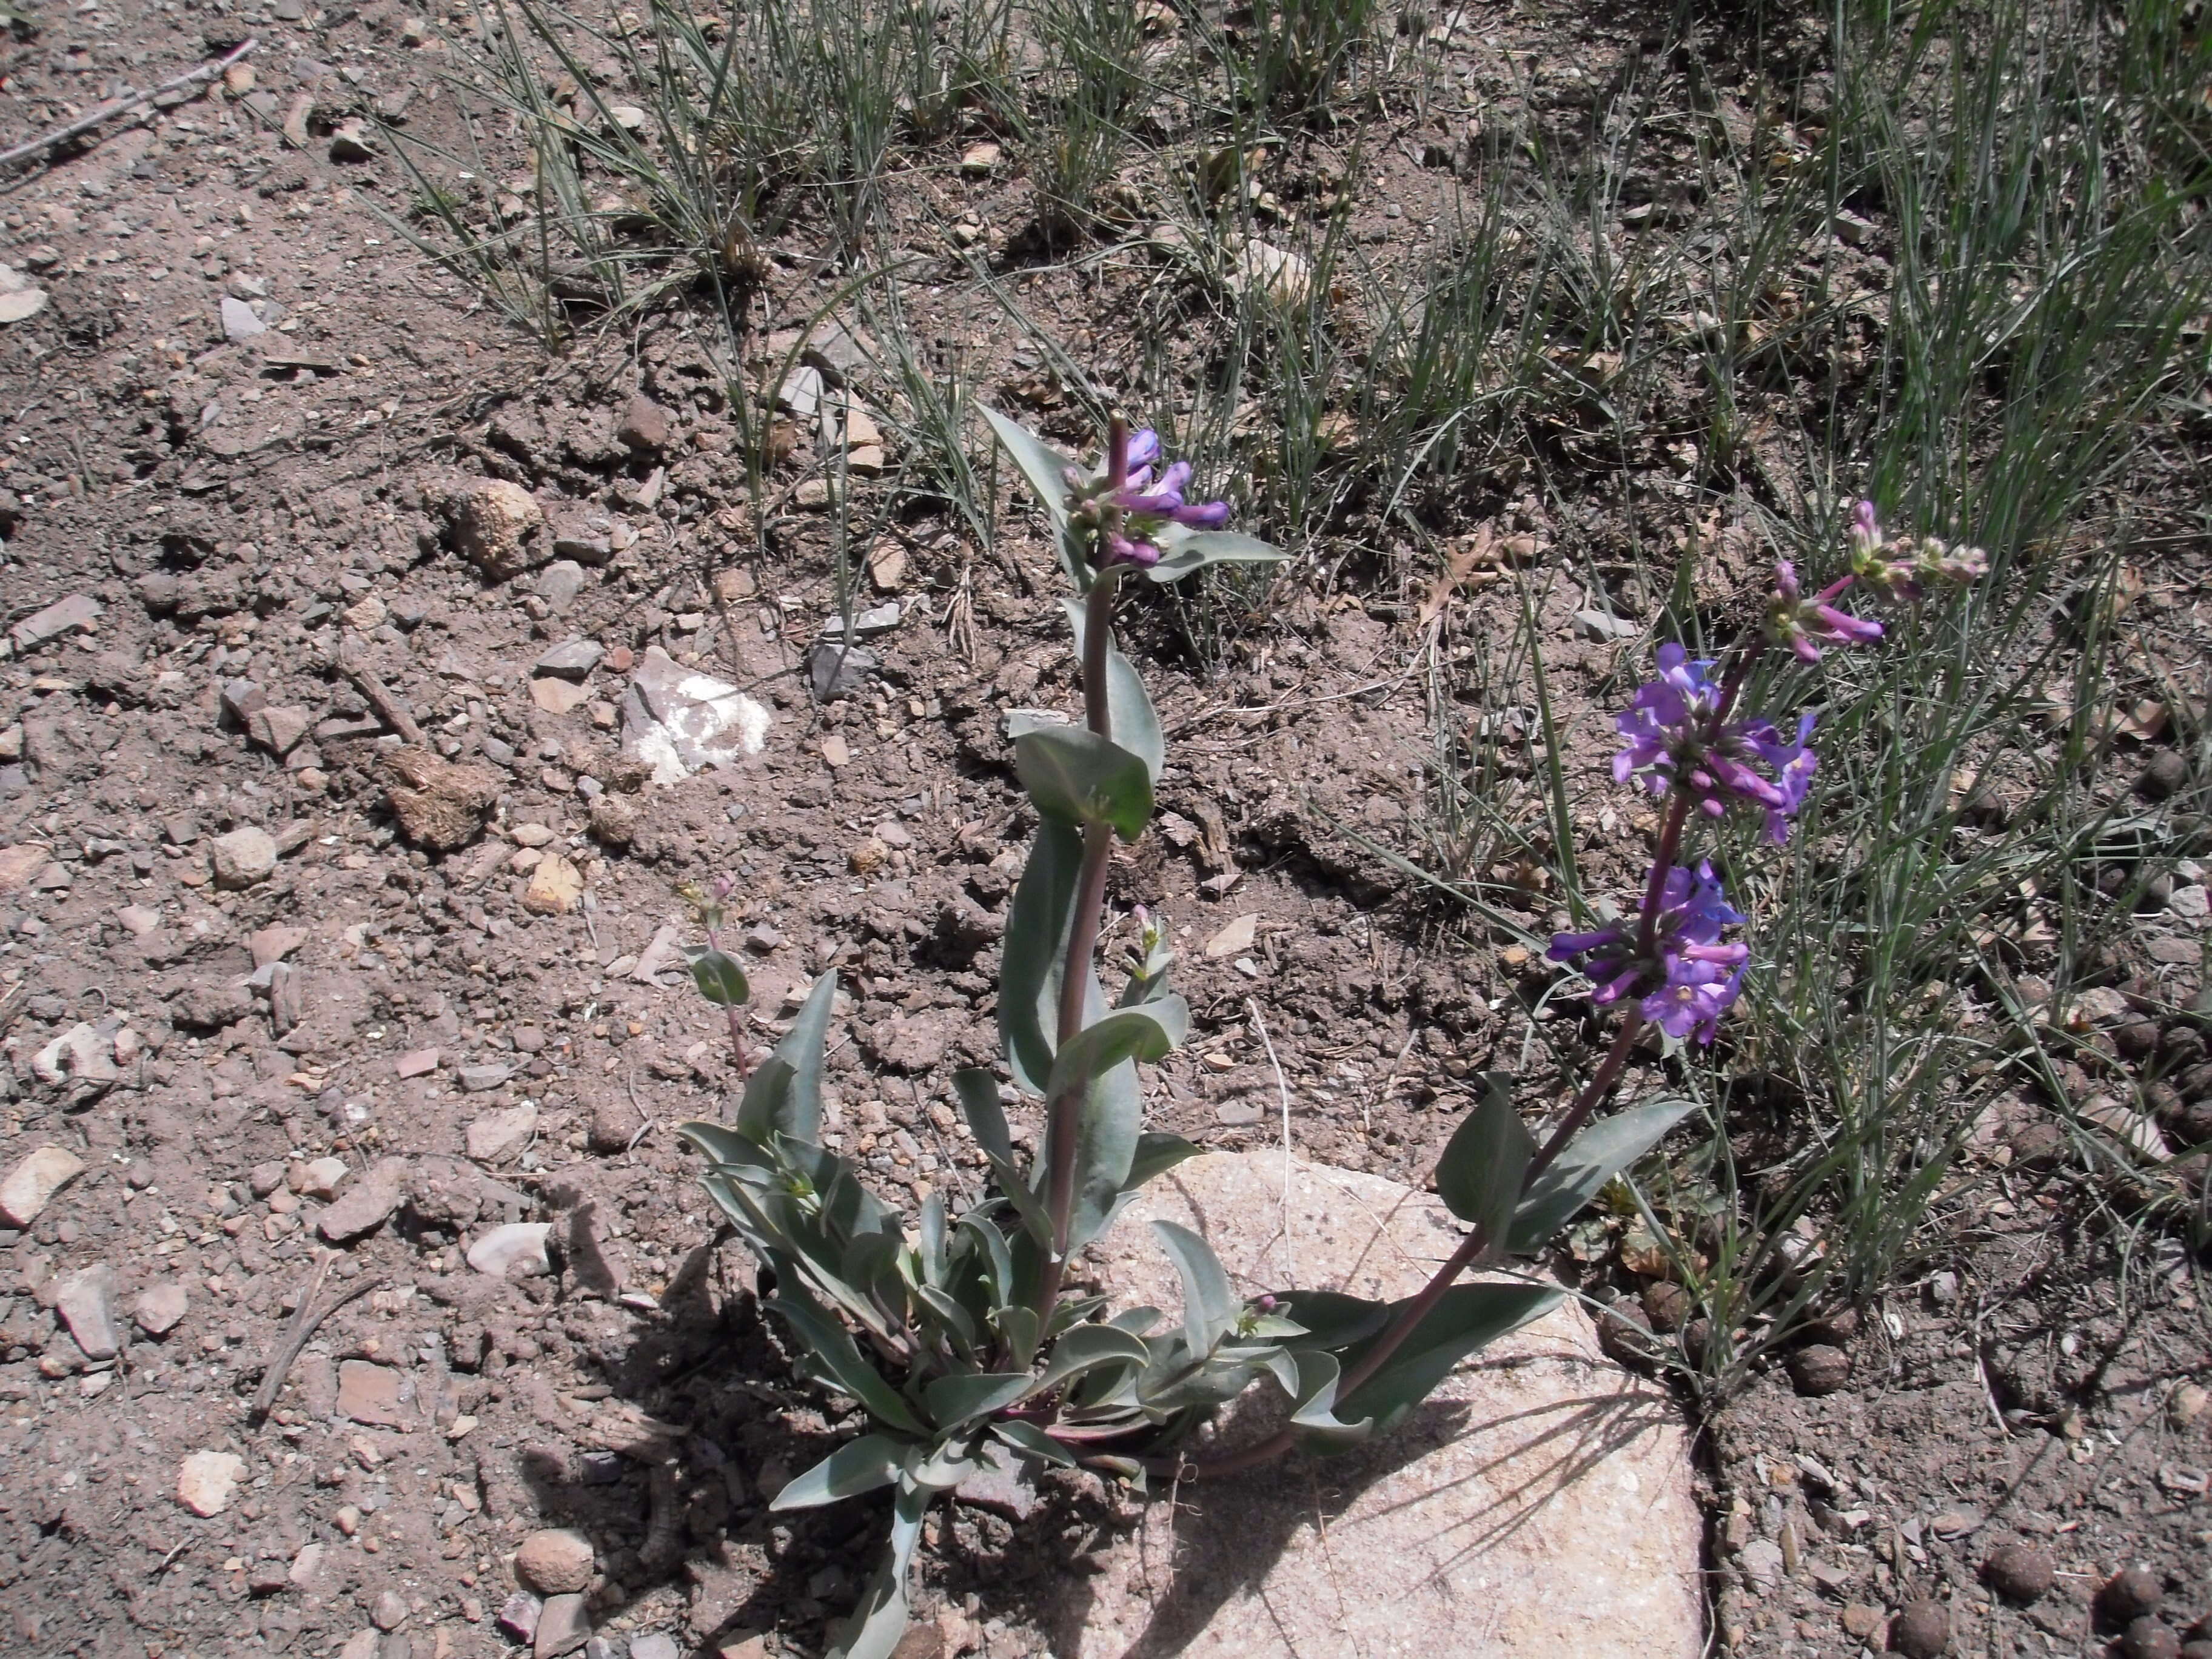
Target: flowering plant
958,1334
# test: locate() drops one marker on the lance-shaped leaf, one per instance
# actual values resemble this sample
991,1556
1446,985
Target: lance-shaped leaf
793,1107
1087,1347
1588,1161
1106,1133
1157,1153
1129,714
857,1466
1209,1306
1148,1032
1075,776
874,1630
1465,1318
1035,952
1033,1442
1331,1319
725,1146
952,1400
1479,1177
832,1345
1043,467
987,1119
1184,556
718,976
1313,1403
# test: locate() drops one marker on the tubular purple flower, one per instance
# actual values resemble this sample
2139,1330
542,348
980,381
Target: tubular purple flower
1121,549
1804,625
1126,518
1690,977
1670,745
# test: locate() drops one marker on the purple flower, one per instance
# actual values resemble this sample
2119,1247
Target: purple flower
1144,501
1798,622
1121,549
1689,977
1126,520
1672,742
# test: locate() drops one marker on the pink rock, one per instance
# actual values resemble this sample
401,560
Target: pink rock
417,1062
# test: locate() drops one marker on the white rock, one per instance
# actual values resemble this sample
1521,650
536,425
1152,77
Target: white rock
518,1245
679,722
1235,937
35,1180
83,1052
1541,1507
244,856
206,1480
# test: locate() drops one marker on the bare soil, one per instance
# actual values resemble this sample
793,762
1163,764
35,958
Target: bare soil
245,510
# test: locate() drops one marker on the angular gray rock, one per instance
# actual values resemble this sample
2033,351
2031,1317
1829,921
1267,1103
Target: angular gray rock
563,1626
572,660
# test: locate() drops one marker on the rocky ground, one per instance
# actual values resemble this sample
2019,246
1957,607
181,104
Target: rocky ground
354,1296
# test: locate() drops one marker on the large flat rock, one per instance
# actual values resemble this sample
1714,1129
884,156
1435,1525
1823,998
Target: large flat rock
1538,1504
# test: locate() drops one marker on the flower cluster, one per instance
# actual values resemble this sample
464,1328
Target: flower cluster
1127,515
1679,742
1685,977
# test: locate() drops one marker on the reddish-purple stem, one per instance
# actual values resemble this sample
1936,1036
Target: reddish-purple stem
1592,1095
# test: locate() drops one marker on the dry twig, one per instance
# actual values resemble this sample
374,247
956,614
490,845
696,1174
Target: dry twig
128,101
304,1325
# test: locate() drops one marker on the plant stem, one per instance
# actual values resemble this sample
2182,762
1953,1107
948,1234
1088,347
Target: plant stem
1592,1095
1471,1249
1064,1112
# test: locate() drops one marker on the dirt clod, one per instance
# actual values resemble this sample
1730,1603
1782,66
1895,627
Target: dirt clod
2148,1637
1922,1630
440,805
2128,1594
1820,1369
2019,1571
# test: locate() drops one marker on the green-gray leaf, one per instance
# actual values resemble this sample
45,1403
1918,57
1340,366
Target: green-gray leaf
1183,556
794,1110
833,1346
952,1400
1147,1032
1044,467
1588,1161
1467,1317
1209,1306
1157,1152
1033,1442
1479,1177
857,1466
1037,925
1075,776
874,1630
1135,725
718,976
